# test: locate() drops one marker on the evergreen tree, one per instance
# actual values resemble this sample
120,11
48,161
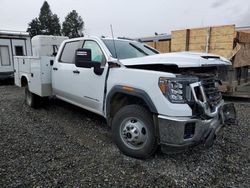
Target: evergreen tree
73,25
46,24
45,17
55,26
50,24
34,27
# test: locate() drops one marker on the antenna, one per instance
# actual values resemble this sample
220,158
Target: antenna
111,28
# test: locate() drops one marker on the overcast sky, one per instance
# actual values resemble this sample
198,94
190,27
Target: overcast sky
130,18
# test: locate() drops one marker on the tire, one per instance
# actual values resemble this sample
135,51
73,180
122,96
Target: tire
133,132
31,99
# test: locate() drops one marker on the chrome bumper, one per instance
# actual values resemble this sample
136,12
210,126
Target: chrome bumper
182,132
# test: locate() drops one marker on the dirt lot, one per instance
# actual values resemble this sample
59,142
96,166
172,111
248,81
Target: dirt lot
60,145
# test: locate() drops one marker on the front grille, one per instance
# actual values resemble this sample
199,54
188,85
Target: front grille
212,93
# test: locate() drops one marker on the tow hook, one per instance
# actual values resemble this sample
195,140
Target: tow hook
209,141
229,114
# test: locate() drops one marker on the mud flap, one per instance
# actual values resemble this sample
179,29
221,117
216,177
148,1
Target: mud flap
229,114
210,139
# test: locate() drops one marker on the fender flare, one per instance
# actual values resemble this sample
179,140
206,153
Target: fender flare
135,92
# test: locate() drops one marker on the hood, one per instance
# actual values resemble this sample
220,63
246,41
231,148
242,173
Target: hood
180,59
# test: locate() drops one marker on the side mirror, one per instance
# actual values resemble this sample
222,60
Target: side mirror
83,59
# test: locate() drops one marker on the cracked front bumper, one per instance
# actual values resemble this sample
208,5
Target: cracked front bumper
175,131
179,133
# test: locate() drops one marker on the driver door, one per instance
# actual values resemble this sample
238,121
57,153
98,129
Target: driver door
88,87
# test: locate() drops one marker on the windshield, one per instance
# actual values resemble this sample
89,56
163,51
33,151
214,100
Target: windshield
128,49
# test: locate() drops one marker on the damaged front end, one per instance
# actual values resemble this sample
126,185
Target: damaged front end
207,96
210,113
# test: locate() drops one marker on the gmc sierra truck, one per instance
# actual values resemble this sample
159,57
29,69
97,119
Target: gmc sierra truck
149,99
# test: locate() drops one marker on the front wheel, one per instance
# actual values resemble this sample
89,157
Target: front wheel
31,99
133,131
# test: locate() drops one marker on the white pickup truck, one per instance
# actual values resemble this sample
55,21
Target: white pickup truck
148,99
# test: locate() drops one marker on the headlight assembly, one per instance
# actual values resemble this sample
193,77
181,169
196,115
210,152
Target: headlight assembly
176,89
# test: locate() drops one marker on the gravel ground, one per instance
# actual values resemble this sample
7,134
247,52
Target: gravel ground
60,145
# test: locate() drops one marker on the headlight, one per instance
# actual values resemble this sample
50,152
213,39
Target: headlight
175,89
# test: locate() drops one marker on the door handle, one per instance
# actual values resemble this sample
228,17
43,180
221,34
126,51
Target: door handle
54,68
76,72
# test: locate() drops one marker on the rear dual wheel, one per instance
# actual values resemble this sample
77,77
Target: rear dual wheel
133,131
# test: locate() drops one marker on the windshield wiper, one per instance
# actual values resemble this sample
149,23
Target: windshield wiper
137,48
152,49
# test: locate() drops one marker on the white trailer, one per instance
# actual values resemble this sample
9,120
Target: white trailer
12,43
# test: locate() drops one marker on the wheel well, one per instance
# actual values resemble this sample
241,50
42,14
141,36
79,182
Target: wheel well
120,99
24,81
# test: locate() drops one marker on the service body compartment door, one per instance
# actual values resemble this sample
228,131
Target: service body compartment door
24,63
46,79
40,76
21,68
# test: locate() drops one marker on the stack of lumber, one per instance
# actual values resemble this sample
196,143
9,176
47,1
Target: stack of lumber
161,46
241,52
245,30
217,40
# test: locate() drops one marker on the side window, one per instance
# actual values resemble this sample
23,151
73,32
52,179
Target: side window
4,56
96,52
19,51
68,53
